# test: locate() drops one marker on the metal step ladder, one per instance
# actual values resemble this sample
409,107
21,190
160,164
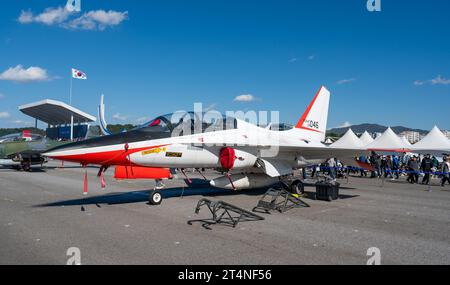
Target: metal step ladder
223,213
278,200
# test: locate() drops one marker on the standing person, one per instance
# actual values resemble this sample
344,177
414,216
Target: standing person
363,159
413,168
426,166
445,172
378,165
383,166
395,166
388,166
314,169
435,162
332,168
373,162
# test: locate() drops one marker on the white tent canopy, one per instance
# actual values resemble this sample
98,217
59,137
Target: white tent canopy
366,138
388,141
406,141
434,142
349,140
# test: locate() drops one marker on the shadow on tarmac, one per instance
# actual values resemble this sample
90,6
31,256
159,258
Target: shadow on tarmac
197,188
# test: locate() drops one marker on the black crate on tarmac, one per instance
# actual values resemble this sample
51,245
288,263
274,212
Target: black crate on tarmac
327,191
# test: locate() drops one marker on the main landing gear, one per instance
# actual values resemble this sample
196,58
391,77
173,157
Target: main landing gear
297,187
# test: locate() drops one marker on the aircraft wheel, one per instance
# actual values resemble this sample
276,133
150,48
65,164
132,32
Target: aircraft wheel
297,187
155,197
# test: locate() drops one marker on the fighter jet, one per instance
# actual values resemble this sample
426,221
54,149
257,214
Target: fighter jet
23,150
249,156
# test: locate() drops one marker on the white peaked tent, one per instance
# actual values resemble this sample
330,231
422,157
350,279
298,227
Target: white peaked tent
434,142
366,138
406,141
388,141
349,140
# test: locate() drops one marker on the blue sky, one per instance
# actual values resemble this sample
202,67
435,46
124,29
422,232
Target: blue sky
153,57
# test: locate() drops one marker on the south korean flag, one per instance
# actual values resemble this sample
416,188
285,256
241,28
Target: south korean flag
77,74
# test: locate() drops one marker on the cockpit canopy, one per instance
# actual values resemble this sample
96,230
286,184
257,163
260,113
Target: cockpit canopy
185,123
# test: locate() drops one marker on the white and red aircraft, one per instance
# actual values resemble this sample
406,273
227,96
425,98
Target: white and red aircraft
250,156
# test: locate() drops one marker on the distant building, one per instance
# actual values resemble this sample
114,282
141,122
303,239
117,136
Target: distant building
376,135
446,133
411,136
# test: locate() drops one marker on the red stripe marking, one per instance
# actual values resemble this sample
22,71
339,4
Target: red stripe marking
313,130
305,115
116,157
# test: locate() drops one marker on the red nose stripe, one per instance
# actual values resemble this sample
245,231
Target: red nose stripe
116,157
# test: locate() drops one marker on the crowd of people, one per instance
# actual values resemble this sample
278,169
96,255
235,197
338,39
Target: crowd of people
393,166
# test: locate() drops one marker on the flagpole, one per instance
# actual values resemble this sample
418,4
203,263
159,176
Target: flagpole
70,103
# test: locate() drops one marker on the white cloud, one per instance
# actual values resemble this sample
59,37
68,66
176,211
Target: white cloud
311,57
2,96
50,16
245,98
98,20
91,20
345,125
439,80
20,74
4,115
26,17
292,60
119,117
345,81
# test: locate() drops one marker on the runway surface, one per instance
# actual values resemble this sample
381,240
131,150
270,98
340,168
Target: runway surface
41,217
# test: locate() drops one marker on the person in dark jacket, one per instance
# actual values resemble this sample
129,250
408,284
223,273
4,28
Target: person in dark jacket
426,166
413,169
388,167
378,165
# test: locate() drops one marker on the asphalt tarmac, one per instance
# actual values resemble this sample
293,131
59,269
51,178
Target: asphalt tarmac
43,214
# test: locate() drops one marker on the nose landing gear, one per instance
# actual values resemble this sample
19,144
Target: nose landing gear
155,198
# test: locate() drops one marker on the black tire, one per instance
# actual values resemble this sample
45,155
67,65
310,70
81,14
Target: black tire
26,167
297,187
155,198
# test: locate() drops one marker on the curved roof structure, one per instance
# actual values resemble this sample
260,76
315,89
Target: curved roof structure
55,113
349,140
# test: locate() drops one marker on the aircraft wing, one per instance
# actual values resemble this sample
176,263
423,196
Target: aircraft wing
319,152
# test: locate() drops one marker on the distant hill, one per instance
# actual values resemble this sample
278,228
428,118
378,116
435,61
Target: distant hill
374,128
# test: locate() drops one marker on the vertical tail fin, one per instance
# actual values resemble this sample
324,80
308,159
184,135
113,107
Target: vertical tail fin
26,135
101,117
314,121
